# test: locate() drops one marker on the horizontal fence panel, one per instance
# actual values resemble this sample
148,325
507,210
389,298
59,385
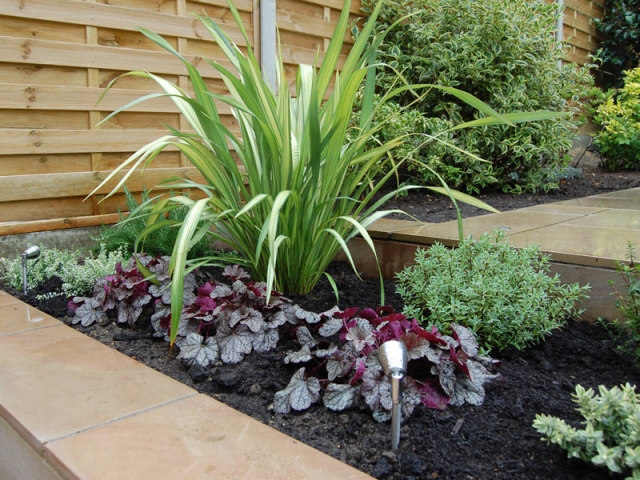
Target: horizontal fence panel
110,16
43,52
80,184
66,222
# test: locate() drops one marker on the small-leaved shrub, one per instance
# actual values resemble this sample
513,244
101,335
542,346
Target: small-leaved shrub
620,46
503,294
503,52
611,435
123,234
619,117
628,302
77,269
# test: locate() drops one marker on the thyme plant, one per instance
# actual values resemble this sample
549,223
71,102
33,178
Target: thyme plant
503,294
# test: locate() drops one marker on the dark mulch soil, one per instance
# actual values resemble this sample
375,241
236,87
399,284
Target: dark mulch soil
435,208
495,441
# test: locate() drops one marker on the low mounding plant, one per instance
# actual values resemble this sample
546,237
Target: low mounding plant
503,52
343,364
123,235
620,46
501,293
76,269
289,191
611,435
221,322
619,117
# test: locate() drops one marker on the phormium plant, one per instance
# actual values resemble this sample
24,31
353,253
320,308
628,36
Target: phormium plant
611,435
503,52
501,293
289,191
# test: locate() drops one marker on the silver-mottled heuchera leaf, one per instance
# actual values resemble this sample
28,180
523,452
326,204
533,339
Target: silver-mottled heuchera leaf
277,319
265,340
361,335
467,391
235,272
340,396
466,338
302,314
303,335
410,397
89,312
247,316
234,343
300,356
299,394
446,371
194,351
221,291
376,390
330,327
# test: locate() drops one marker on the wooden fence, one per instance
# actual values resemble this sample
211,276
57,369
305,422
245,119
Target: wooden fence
56,57
580,30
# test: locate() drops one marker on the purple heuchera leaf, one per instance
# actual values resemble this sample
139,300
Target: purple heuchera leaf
299,394
432,397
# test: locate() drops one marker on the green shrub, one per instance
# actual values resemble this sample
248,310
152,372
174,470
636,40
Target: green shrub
77,270
620,46
123,234
503,52
628,302
503,294
611,436
619,116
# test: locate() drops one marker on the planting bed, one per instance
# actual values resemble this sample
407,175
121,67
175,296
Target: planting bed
495,441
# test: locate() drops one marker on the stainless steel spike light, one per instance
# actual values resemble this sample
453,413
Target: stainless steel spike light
29,254
393,358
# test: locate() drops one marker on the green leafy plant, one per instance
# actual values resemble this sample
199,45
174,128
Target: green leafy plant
619,117
504,53
501,293
289,192
78,270
123,235
611,435
620,46
628,302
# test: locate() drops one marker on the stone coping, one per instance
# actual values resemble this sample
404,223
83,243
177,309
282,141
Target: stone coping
72,408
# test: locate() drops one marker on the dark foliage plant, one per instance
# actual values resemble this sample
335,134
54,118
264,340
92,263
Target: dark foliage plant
620,46
504,53
225,322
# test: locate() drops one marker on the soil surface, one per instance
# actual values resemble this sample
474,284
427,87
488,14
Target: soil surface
494,441
435,208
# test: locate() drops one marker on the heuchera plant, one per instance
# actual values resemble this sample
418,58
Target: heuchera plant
340,349
222,322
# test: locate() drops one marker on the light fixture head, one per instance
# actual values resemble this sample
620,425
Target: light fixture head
393,358
31,252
